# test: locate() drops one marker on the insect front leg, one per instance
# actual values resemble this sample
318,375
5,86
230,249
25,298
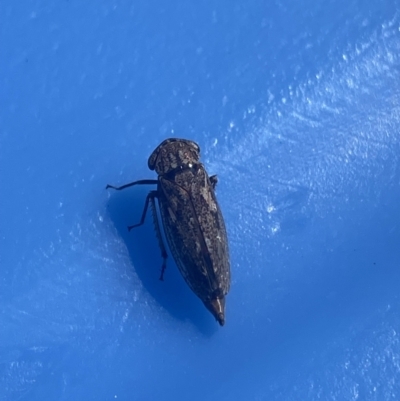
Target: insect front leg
150,199
139,182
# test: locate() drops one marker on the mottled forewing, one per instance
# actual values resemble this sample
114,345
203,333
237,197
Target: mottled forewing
195,230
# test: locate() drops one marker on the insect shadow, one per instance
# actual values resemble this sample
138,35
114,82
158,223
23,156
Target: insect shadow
125,208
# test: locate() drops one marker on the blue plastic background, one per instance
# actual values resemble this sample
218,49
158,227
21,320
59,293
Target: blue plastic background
296,106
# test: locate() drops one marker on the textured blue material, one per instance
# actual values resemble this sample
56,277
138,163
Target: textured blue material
296,107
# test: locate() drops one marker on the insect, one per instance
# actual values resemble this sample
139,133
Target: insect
192,221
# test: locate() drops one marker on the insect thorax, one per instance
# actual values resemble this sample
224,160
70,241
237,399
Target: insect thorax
174,154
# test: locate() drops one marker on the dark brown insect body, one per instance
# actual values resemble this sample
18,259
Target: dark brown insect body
192,221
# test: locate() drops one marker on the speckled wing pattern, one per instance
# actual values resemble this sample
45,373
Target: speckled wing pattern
195,230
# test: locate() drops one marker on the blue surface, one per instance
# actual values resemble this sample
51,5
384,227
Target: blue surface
296,106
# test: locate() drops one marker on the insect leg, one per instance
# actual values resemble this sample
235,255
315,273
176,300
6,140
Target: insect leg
149,197
164,254
214,180
139,182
